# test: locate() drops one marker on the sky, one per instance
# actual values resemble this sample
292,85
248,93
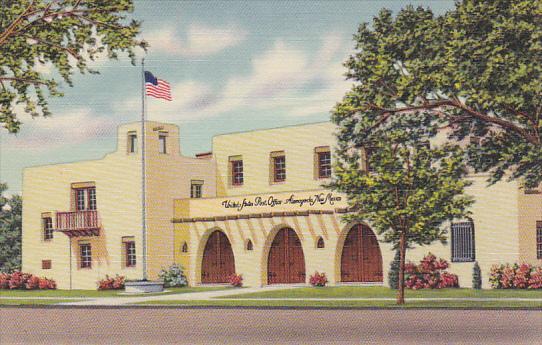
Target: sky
233,66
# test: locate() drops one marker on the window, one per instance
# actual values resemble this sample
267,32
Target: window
48,228
237,172
463,242
86,255
45,264
130,250
196,188
539,239
162,143
320,243
132,143
184,248
324,164
250,246
279,168
85,199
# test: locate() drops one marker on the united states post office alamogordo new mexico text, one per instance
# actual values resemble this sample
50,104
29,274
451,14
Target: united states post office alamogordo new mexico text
254,206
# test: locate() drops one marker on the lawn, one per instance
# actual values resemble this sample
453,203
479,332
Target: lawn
32,301
351,304
97,293
380,292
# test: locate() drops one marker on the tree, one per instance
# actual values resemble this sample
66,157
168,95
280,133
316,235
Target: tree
65,33
407,190
476,70
393,273
10,231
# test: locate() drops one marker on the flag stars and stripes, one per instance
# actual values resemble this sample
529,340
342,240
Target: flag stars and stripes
157,88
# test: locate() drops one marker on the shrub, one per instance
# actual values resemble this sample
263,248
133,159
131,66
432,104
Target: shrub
24,281
429,274
173,276
236,280
393,274
476,276
318,279
515,276
110,283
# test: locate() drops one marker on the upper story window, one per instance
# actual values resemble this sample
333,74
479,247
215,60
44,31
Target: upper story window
278,163
85,198
196,188
132,142
462,238
85,255
369,151
162,142
539,239
323,162
47,228
236,171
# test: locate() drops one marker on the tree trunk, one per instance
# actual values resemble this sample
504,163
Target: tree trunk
401,283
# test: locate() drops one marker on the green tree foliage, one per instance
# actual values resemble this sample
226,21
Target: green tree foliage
393,273
65,33
410,190
10,231
476,276
476,70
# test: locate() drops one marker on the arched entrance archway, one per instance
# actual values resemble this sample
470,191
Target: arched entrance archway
361,259
286,263
218,261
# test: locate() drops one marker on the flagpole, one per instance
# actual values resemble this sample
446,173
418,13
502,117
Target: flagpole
143,196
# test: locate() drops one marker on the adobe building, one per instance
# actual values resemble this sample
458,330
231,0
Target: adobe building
256,205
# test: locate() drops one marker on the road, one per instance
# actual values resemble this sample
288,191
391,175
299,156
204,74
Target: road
272,326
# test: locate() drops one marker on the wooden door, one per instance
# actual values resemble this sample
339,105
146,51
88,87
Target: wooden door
286,262
218,261
361,260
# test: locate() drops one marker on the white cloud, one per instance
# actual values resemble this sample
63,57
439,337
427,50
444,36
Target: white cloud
199,40
63,128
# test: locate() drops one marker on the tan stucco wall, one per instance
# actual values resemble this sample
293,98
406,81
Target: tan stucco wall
118,188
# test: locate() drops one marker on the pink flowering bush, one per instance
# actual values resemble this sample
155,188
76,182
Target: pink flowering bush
429,274
111,283
236,280
25,281
318,279
516,276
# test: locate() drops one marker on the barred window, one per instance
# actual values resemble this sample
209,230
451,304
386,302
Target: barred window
463,249
86,255
130,250
539,239
48,228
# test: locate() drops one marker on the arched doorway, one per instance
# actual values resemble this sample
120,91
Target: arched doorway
218,261
286,263
361,259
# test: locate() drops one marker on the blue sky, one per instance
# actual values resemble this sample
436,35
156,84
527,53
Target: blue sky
233,66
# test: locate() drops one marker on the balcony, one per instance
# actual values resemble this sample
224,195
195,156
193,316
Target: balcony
79,223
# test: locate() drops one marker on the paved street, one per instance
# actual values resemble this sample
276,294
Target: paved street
249,326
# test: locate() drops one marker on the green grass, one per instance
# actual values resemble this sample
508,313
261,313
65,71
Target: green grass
96,293
351,304
32,301
380,291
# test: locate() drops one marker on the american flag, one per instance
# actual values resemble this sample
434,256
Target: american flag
157,88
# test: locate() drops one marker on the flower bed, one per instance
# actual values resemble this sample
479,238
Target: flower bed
236,280
516,276
318,279
109,283
429,274
25,281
